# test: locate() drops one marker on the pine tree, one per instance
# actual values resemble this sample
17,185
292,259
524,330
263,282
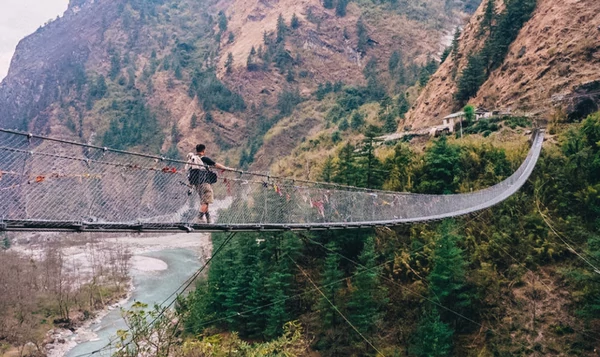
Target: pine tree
433,338
368,298
258,297
357,120
402,104
394,62
445,54
194,121
472,77
370,170
400,168
229,63
115,65
441,168
5,242
332,276
289,77
222,21
281,29
251,62
248,262
295,22
447,280
328,170
363,36
346,172
328,4
390,125
488,17
340,8
455,44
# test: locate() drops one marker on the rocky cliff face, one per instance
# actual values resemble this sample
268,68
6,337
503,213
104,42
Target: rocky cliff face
553,62
47,62
106,64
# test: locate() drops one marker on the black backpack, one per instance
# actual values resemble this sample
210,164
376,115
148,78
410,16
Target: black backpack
200,176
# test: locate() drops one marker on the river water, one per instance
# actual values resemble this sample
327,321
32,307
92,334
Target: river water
150,287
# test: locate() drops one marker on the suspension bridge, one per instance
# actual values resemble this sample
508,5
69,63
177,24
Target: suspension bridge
50,184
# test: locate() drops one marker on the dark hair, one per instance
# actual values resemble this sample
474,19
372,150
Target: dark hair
200,147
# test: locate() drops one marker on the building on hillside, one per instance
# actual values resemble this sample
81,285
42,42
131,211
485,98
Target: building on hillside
449,121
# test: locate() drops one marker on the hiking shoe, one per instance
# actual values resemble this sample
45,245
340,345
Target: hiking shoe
201,218
208,219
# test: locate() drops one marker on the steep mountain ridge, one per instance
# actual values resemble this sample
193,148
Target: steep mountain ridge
105,65
553,56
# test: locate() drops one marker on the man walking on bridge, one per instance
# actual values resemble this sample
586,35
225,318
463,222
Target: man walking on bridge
201,178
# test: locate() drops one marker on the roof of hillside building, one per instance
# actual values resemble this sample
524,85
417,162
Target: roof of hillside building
455,115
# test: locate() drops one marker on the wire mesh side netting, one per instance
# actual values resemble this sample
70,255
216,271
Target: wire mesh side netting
49,183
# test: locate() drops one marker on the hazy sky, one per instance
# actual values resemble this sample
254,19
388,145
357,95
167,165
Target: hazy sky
19,18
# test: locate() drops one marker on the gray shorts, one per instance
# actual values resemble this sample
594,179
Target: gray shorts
205,192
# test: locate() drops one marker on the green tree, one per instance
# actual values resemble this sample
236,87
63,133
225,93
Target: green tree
5,242
251,61
394,61
390,125
346,170
340,8
402,104
328,4
328,170
98,89
277,314
368,297
230,37
289,77
194,121
222,21
331,279
488,17
447,280
295,22
441,168
357,120
363,36
399,166
445,54
115,65
510,22
281,29
455,44
370,170
472,77
433,338
287,101
229,63
469,111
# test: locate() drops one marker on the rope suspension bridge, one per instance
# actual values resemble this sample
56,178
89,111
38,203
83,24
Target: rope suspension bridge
50,184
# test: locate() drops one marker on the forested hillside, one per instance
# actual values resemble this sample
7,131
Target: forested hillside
526,57
518,279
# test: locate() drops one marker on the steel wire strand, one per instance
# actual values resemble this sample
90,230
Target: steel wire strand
355,274
112,190
185,285
335,307
548,288
438,304
564,240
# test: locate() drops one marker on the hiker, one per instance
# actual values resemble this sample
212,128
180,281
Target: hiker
200,176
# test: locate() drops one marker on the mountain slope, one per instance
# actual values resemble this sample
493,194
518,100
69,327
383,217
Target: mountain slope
150,75
553,56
